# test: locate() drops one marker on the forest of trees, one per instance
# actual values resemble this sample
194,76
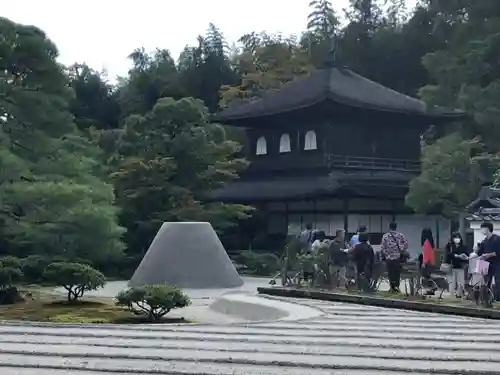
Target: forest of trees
90,169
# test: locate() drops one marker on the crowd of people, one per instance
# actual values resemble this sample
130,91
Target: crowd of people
394,253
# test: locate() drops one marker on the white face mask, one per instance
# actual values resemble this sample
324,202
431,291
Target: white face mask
456,241
485,231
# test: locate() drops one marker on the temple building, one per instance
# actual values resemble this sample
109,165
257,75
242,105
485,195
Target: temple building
485,208
335,149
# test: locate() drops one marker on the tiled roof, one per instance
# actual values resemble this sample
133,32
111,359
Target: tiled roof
487,198
479,217
339,85
486,207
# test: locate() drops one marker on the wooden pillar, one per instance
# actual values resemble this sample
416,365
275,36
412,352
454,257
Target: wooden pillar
346,214
437,233
462,225
315,213
286,219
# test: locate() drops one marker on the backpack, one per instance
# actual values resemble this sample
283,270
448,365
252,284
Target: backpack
306,238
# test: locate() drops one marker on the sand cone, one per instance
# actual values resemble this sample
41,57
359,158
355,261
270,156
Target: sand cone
187,255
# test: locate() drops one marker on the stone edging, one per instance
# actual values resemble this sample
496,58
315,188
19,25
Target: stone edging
382,302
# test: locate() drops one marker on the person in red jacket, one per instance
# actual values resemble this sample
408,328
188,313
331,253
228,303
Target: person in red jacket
427,258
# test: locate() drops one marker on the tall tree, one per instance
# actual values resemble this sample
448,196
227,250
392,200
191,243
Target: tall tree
52,198
466,75
205,68
453,171
94,103
266,63
467,72
322,26
153,76
322,21
167,162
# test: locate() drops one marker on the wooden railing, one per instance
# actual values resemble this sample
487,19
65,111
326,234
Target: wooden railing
330,162
361,162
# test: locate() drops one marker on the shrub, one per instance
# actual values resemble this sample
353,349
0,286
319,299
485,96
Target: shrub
10,261
155,301
9,276
33,268
76,278
262,264
10,271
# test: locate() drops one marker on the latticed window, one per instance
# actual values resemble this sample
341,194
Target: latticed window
285,143
310,141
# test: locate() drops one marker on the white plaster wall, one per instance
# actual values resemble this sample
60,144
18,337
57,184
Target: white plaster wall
327,223
411,226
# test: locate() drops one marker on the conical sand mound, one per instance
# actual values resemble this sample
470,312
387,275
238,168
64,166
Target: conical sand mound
187,255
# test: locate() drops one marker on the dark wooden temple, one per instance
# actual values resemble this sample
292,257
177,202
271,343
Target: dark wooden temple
485,208
333,148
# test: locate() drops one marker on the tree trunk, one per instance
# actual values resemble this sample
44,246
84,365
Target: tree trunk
462,225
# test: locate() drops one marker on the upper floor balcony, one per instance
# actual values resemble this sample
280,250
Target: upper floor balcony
371,163
330,162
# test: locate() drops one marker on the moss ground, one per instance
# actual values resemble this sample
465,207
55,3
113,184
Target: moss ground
43,305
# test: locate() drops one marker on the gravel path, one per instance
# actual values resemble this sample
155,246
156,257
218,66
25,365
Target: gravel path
346,339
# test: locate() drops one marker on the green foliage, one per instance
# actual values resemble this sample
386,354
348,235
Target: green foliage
10,261
266,63
453,171
164,155
154,301
254,263
33,268
466,75
9,276
166,162
94,103
76,278
52,196
322,20
10,272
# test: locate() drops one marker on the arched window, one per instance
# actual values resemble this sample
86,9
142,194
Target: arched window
261,148
285,143
310,141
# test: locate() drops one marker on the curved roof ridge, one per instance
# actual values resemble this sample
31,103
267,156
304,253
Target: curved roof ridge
338,84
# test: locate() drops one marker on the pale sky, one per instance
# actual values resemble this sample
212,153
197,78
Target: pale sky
102,33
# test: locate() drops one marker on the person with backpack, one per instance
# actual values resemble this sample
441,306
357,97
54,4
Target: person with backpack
306,238
394,248
364,259
355,238
338,259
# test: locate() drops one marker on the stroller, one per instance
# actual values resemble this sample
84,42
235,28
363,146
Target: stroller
479,290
